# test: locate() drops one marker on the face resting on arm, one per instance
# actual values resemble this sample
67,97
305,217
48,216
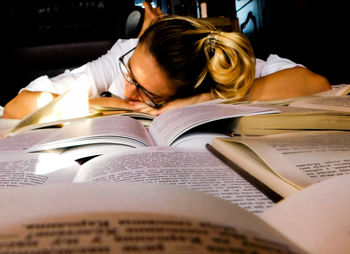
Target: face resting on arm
181,61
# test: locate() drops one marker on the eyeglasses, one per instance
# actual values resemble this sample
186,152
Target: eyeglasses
145,95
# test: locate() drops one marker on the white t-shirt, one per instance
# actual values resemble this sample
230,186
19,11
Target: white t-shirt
103,74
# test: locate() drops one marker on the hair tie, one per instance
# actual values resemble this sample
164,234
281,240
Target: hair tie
211,40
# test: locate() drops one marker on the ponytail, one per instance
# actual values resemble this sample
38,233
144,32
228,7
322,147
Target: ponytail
187,49
230,62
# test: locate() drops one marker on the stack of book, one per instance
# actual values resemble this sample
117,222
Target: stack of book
257,177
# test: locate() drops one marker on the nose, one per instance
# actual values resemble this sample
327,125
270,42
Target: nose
130,92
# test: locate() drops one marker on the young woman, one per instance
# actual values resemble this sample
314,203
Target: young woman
177,61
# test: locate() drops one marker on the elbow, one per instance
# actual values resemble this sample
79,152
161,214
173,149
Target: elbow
319,84
12,110
325,84
313,83
9,111
21,105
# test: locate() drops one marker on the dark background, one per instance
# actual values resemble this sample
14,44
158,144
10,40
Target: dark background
48,36
311,32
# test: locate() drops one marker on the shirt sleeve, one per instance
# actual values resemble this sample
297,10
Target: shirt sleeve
96,76
273,64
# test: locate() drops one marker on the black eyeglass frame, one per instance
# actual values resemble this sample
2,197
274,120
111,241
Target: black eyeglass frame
149,101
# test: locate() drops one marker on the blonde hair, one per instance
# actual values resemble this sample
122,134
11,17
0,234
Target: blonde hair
187,49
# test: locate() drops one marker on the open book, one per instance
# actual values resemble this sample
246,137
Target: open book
289,162
184,167
165,130
338,103
19,168
152,218
108,110
70,105
291,119
6,125
73,105
337,90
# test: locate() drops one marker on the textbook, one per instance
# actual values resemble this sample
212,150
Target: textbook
73,105
183,167
107,110
289,162
34,121
164,130
338,103
292,119
70,105
19,168
6,125
144,118
154,218
337,90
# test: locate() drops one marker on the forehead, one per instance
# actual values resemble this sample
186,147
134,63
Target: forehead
149,74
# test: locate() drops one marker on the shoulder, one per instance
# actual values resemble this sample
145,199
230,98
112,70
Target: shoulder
124,45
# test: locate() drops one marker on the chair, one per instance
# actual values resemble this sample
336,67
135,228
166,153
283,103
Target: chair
134,23
225,24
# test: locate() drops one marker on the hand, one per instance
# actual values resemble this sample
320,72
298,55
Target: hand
172,104
151,14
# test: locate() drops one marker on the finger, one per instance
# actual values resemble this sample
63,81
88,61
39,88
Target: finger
159,11
151,111
138,105
148,110
142,107
148,6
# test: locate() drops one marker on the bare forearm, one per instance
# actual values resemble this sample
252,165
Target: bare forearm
109,102
288,83
25,103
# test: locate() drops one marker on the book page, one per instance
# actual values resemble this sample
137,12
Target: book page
293,119
197,139
190,168
130,218
134,232
107,110
167,127
92,150
107,129
25,140
303,158
6,125
19,168
317,217
245,159
340,103
337,90
73,103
